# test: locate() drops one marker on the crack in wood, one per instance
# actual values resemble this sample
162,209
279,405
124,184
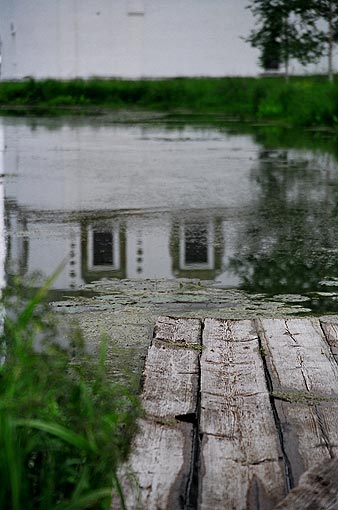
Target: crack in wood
188,418
287,464
264,350
332,344
288,332
192,488
305,379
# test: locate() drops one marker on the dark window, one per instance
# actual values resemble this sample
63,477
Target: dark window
103,248
196,244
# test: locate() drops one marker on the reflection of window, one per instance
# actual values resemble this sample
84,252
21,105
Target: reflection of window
196,245
103,249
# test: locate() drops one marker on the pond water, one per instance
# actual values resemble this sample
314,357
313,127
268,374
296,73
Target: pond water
170,199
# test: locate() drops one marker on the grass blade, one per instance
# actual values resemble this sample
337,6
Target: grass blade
61,432
119,490
11,457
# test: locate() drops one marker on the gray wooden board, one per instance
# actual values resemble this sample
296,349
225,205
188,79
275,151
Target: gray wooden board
241,464
247,440
305,383
157,473
155,477
331,333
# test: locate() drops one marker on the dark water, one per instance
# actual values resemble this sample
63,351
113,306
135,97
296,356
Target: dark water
255,210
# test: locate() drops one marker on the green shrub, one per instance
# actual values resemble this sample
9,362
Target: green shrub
303,101
64,426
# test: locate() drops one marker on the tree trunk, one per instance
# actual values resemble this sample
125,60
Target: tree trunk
286,48
287,73
330,43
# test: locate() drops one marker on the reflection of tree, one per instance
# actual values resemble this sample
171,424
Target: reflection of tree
291,238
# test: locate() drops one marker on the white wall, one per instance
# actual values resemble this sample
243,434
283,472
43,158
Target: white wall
128,38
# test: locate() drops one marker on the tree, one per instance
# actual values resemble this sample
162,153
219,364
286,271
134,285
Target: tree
328,11
285,29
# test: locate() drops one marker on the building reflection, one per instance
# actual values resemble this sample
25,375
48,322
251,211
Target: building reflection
264,222
115,245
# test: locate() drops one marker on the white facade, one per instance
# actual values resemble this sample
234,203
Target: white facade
125,38
128,38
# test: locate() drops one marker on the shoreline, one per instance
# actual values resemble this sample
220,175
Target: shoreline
308,101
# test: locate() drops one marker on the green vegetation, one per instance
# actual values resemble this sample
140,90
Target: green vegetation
285,29
304,101
64,427
305,30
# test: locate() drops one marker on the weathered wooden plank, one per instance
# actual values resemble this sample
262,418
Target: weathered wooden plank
331,333
156,475
304,378
170,378
178,330
158,472
317,489
300,356
241,464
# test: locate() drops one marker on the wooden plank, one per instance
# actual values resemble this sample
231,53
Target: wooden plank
301,359
171,374
331,333
158,472
317,489
241,462
304,378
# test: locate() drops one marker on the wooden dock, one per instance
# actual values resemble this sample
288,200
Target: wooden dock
235,412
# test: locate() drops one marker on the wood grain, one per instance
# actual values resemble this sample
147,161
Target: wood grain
300,357
241,465
157,474
261,396
304,378
331,333
157,471
171,374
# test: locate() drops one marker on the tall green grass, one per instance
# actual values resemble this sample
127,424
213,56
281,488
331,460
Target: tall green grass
303,101
64,426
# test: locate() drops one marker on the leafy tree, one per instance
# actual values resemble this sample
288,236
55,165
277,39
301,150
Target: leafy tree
327,10
285,29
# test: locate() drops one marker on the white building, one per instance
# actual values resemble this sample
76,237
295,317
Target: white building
126,38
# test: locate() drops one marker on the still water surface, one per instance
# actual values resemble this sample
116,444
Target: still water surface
168,200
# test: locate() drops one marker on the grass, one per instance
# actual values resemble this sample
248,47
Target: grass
64,427
303,101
